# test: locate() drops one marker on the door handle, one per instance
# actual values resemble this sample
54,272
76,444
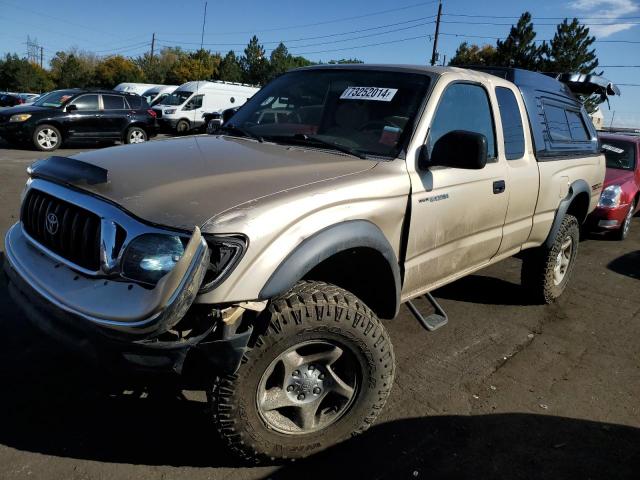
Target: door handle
499,186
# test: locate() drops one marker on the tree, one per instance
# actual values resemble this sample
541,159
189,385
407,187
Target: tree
230,69
519,48
254,64
280,60
18,74
156,68
72,69
344,61
473,55
199,65
116,69
569,50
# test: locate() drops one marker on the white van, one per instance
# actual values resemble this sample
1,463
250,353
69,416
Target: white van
138,88
155,95
183,110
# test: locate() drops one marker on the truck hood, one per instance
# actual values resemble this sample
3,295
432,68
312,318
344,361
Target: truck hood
184,182
617,176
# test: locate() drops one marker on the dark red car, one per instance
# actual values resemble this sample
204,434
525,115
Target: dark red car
620,198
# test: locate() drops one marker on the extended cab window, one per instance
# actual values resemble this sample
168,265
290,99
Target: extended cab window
511,123
113,102
576,126
464,106
86,102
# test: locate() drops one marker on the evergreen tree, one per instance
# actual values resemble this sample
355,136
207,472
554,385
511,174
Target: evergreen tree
254,64
230,69
519,48
473,55
569,50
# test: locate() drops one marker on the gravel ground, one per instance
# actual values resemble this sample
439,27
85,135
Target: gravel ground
506,390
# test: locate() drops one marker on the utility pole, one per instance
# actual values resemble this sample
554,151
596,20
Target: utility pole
434,55
153,43
41,56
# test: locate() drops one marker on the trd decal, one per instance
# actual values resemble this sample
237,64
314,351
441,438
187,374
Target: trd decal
435,198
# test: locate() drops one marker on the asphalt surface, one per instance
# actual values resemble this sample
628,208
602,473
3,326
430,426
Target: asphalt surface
506,390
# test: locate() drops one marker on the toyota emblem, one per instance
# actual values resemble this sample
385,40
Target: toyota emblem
51,223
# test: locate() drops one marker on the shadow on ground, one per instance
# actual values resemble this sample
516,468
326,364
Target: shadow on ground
484,290
627,264
488,446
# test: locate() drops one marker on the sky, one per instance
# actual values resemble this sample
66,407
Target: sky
375,31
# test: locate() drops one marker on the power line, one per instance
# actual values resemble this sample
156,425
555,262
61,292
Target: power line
332,41
537,24
539,18
366,45
326,22
316,37
547,40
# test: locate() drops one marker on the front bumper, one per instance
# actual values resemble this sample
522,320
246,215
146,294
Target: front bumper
32,276
608,218
16,131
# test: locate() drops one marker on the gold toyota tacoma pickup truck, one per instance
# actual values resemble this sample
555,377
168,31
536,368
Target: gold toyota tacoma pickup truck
265,255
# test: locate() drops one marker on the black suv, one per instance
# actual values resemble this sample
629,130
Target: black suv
79,114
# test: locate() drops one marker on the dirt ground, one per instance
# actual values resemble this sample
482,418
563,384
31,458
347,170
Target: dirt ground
506,390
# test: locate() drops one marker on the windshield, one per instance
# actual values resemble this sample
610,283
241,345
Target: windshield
54,99
149,95
159,100
177,98
363,111
619,154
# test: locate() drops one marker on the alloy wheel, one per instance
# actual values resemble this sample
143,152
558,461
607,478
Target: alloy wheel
308,387
137,136
47,138
562,261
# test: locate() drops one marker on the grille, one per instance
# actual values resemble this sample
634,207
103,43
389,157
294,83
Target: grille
65,229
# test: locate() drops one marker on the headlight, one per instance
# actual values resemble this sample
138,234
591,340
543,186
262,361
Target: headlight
20,117
151,256
169,111
610,197
226,252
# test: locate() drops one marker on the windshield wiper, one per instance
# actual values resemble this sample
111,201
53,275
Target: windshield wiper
301,138
231,128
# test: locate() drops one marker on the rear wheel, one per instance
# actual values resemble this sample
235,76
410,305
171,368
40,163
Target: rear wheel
546,270
623,231
320,373
182,127
47,138
136,135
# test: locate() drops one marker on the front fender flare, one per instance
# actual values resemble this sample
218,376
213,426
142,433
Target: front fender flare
325,243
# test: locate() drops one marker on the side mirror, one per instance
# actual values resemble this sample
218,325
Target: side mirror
228,113
456,149
72,108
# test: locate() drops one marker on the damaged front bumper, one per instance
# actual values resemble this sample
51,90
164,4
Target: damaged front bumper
118,321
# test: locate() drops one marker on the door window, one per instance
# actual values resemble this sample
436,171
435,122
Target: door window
113,102
86,102
464,106
511,123
194,103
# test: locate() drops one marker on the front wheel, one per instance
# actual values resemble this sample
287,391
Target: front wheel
546,270
320,372
182,127
623,231
47,138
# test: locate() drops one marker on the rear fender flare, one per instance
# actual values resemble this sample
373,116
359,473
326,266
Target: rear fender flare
576,188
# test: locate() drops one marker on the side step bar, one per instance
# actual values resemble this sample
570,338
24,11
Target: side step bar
430,322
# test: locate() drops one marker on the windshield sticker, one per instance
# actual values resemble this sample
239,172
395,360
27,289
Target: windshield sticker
611,148
369,93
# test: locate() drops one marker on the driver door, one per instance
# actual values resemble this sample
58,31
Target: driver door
194,109
457,215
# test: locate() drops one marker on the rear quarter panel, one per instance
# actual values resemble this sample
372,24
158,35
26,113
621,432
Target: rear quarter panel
556,177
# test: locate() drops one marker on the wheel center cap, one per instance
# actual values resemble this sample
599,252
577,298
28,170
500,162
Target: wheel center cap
306,384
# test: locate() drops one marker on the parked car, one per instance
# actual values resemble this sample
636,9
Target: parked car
137,88
28,98
620,199
267,255
10,99
77,114
155,95
214,120
183,110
